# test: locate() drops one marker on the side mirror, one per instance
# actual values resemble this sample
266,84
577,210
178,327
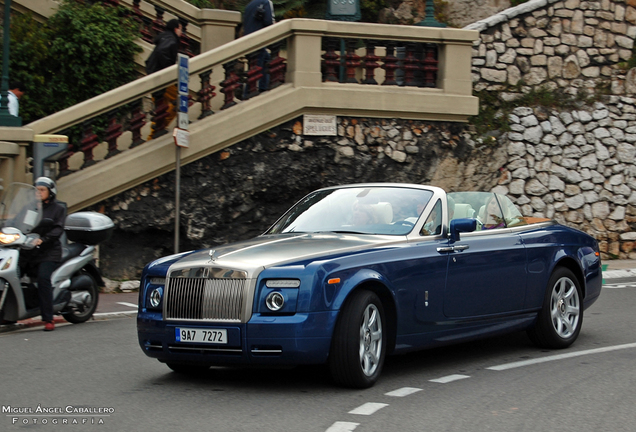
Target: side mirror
461,225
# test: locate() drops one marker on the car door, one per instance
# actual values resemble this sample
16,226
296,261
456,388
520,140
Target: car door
421,279
486,274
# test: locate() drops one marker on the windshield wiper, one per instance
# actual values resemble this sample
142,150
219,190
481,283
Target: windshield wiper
348,232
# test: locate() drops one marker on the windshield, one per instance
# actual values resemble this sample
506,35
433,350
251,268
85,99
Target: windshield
21,208
362,210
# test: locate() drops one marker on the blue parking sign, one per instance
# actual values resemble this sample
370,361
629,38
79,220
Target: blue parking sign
184,73
183,103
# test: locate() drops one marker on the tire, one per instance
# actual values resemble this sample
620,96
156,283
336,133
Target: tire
358,347
561,317
77,314
187,369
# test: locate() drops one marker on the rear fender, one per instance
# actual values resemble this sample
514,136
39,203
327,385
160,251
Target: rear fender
92,270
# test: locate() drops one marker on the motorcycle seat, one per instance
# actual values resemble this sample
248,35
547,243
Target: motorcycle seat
71,250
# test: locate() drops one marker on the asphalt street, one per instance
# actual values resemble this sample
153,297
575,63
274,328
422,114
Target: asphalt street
498,384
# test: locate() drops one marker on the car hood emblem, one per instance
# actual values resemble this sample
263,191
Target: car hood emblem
212,257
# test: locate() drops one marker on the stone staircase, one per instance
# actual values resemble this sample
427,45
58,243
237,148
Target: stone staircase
436,86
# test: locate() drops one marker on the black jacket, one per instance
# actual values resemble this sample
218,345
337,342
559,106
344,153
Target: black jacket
51,247
165,52
258,15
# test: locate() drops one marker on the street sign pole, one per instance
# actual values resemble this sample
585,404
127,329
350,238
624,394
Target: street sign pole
180,137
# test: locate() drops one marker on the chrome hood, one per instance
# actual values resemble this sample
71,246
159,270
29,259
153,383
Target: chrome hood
254,255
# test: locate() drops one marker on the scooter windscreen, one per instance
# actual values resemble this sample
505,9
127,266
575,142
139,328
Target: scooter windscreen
20,208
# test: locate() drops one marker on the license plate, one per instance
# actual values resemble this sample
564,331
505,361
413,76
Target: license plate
200,335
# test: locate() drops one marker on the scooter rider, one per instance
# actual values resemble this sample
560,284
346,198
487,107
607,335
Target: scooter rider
45,258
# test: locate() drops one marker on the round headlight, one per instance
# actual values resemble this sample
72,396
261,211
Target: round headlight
275,301
155,297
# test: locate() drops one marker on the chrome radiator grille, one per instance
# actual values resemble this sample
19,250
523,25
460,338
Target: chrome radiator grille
196,298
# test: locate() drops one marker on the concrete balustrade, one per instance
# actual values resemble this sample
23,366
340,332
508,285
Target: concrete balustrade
303,92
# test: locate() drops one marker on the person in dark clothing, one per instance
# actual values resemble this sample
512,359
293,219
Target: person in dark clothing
166,48
44,259
258,15
165,55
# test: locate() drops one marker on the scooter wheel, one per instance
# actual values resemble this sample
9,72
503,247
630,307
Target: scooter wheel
81,313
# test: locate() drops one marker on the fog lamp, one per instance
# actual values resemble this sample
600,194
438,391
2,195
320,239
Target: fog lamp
155,297
275,301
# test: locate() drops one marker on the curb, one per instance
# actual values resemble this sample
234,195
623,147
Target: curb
37,322
619,274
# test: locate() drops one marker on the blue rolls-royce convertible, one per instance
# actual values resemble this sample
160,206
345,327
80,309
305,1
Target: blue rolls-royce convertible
352,273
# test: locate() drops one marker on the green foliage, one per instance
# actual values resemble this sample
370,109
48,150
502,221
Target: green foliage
517,2
441,11
82,51
283,9
370,9
28,54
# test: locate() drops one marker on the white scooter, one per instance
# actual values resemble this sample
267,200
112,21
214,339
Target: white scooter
75,282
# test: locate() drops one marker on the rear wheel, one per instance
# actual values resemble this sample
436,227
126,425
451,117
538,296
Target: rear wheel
561,317
359,343
84,308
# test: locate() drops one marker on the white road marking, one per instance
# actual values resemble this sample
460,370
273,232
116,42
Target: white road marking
368,408
404,391
342,427
132,305
615,274
523,363
615,286
449,378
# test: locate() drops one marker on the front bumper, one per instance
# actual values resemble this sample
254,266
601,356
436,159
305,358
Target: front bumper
302,338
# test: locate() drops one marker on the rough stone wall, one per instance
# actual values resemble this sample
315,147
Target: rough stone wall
578,168
456,13
238,193
568,44
575,166
463,12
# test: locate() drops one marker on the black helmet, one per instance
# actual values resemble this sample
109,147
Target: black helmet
49,184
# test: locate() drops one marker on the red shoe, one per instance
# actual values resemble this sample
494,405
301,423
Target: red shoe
49,326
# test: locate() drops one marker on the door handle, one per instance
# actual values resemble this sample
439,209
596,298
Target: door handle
457,248
445,249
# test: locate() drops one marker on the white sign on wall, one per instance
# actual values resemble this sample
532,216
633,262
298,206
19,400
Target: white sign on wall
320,125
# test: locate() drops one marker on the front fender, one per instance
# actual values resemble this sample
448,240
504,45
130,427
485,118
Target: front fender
350,281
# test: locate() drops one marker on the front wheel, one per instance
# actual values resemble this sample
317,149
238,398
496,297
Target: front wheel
83,303
561,317
359,342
